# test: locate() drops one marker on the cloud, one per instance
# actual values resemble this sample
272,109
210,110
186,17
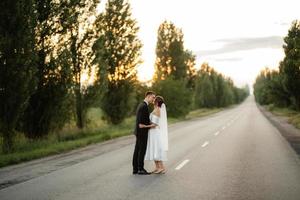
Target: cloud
242,44
283,23
227,59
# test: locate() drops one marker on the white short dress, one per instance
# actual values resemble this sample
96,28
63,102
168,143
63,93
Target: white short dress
154,145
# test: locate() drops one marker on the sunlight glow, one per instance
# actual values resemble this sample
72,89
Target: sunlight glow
210,24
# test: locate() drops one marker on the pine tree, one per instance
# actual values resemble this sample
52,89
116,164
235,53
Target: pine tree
17,63
117,55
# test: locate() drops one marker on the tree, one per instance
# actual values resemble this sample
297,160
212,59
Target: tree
178,68
117,56
171,57
213,89
50,105
80,34
190,63
279,95
290,65
205,88
17,63
174,65
269,89
166,33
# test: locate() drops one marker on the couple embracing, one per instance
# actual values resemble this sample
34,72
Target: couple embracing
151,133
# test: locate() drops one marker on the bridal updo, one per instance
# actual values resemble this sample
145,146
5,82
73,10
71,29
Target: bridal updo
159,100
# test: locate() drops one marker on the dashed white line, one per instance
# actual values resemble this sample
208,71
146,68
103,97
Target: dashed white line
205,144
182,164
217,133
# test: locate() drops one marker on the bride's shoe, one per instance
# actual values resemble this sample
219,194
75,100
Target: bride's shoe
157,171
161,171
154,171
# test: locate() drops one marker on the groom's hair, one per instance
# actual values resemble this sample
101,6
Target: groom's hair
149,93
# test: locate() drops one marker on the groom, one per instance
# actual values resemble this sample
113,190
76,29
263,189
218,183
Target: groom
141,132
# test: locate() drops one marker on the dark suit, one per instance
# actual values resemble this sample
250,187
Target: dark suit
142,117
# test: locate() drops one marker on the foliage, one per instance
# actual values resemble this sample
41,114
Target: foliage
49,47
171,57
290,68
117,55
17,63
49,106
178,99
281,87
80,33
269,88
175,72
212,89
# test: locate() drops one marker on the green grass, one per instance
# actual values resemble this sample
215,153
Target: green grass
292,115
70,138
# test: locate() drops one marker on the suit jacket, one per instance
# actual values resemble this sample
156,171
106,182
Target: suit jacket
142,117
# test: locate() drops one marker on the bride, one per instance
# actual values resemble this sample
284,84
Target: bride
157,146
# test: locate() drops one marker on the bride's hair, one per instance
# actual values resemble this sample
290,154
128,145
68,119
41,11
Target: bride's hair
159,100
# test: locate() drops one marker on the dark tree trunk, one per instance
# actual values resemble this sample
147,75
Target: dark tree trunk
79,108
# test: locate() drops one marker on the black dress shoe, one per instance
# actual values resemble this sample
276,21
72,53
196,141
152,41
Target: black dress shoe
134,172
143,172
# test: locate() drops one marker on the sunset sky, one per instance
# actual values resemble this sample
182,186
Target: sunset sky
236,37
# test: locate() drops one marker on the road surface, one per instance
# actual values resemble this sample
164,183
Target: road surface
234,154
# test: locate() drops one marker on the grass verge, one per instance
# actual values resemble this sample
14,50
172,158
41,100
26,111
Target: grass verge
292,115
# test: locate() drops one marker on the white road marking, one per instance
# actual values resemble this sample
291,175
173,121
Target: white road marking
205,144
182,164
217,133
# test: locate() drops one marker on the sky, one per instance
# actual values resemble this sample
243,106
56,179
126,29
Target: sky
236,37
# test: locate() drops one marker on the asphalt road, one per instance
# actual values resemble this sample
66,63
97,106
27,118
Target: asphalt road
234,154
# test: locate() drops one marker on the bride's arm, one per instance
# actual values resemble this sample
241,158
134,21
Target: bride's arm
147,126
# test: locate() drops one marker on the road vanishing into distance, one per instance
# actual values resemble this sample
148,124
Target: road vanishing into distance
235,154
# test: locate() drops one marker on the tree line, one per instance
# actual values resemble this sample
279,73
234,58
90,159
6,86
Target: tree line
48,46
281,87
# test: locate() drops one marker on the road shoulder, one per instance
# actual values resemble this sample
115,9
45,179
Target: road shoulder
287,130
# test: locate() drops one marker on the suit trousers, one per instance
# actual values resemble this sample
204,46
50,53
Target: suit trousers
139,151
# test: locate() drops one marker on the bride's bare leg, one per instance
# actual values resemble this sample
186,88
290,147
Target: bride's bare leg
160,165
156,166
163,167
